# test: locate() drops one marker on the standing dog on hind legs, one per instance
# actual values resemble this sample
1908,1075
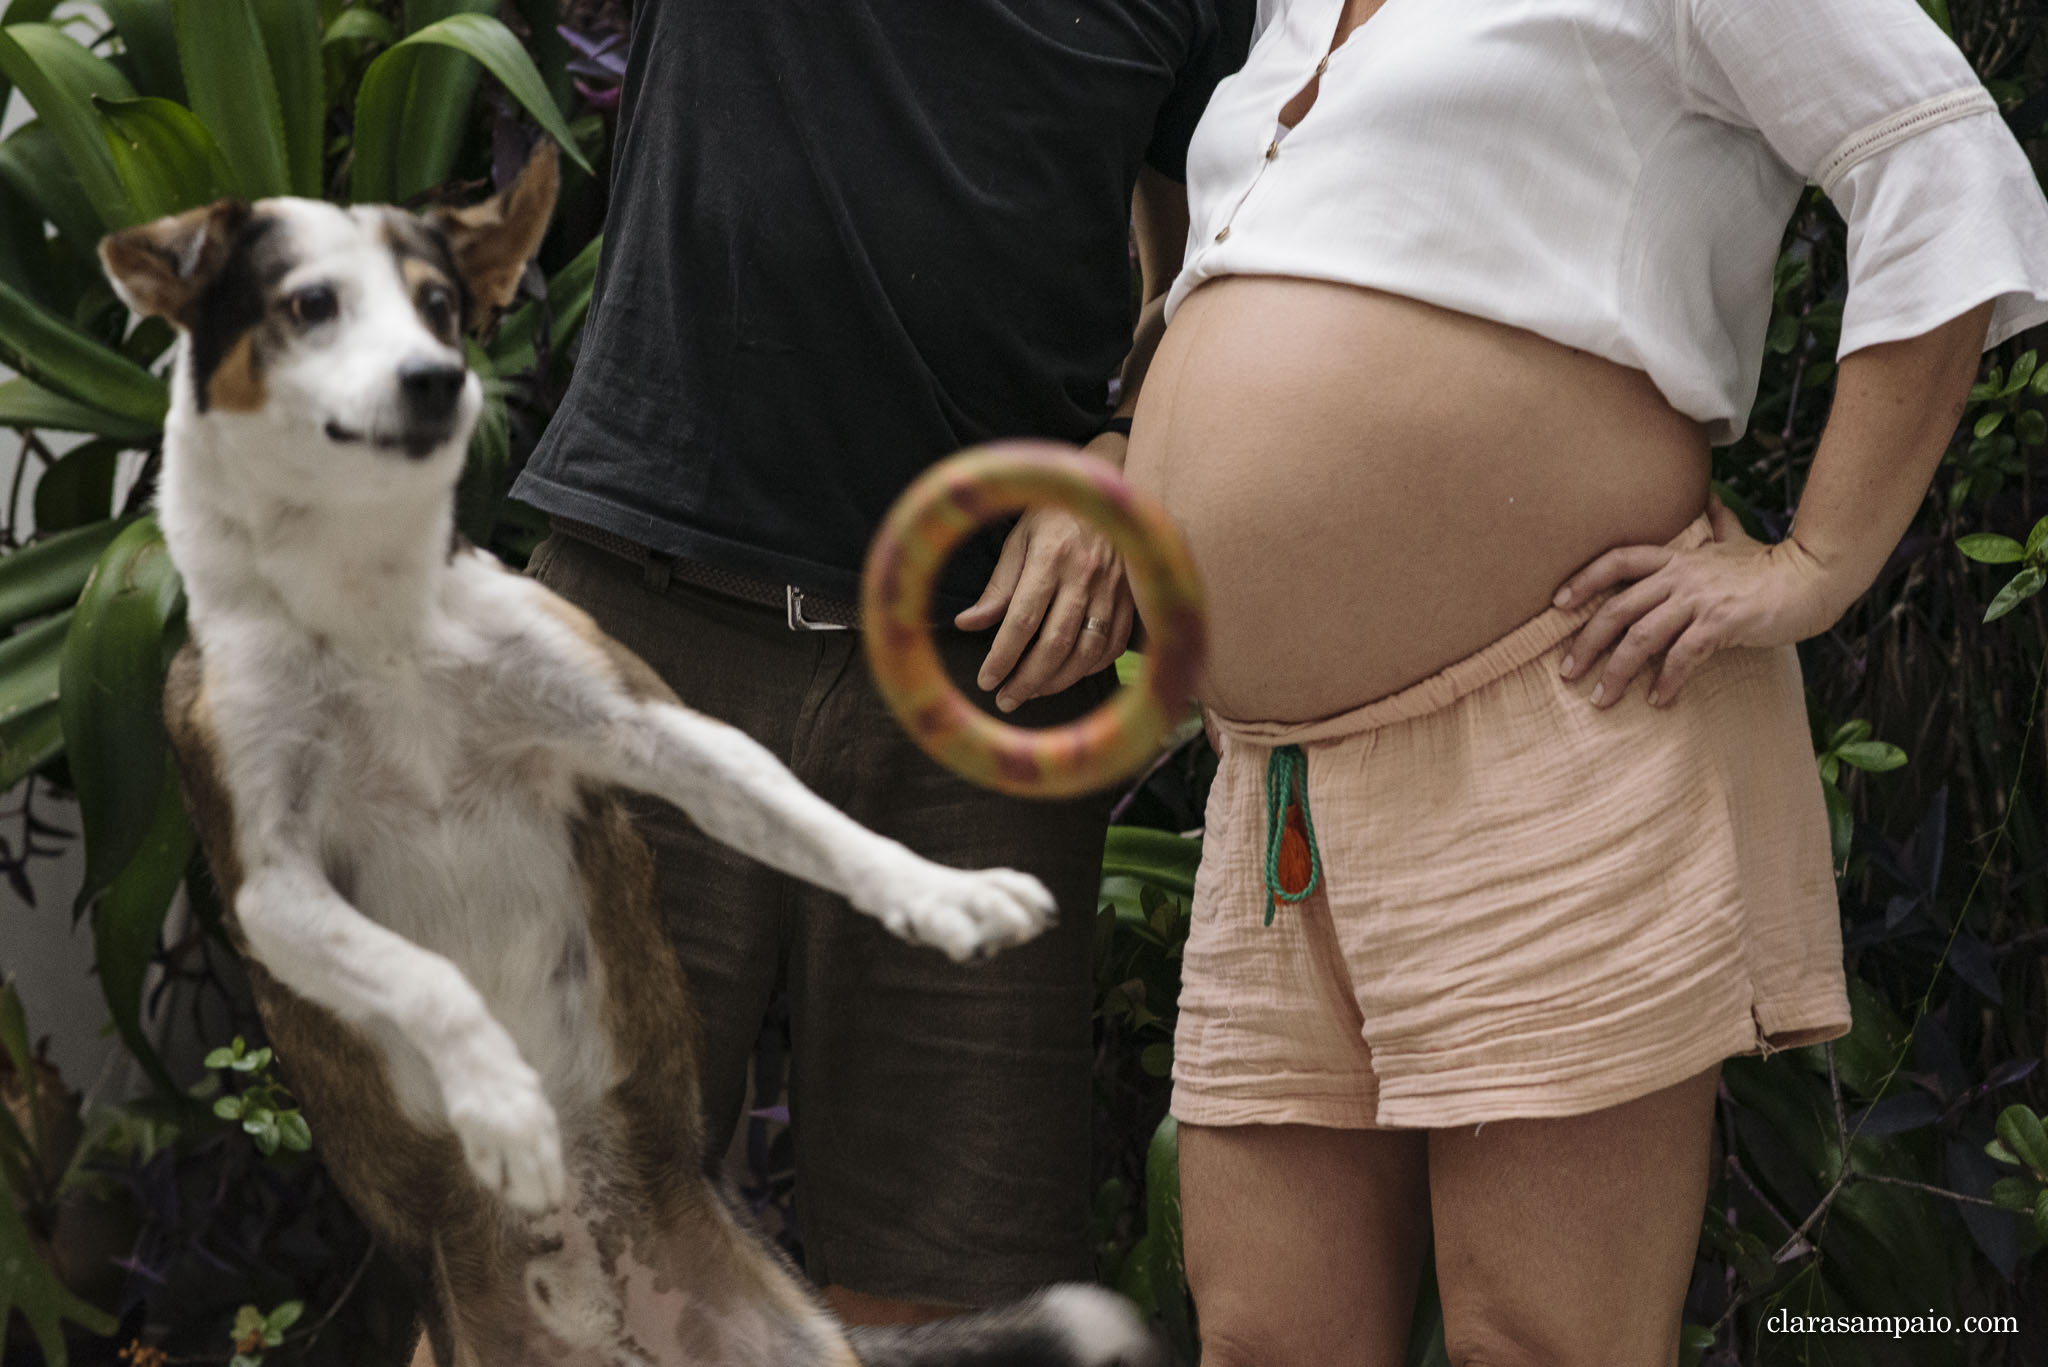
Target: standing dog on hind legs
405,764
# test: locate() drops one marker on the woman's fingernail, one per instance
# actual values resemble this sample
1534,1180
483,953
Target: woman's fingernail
1006,702
1569,667
1564,595
1598,690
1654,698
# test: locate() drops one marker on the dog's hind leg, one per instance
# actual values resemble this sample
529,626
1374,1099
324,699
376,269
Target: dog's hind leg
739,793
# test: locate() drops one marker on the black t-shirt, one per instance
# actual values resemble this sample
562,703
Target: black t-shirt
849,237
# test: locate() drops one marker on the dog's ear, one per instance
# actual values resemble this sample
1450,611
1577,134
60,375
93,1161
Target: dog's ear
159,268
494,240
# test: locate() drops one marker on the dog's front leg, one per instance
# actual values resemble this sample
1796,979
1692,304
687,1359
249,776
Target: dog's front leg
741,794
312,941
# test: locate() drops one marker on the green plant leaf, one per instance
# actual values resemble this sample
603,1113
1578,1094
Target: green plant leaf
441,101
113,676
1163,1230
165,157
1160,858
2015,1193
1937,10
49,573
2031,427
2020,1130
78,488
28,741
128,918
284,1316
2038,387
2022,371
2037,538
150,34
219,1058
2041,1215
28,667
137,839
294,1132
567,305
291,38
29,1286
58,77
359,26
24,247
394,158
2017,590
228,75
24,403
1989,548
1987,423
1872,756
1841,821
228,1107
59,356
2000,1153
34,168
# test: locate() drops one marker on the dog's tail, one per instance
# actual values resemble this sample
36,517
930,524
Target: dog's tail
1067,1326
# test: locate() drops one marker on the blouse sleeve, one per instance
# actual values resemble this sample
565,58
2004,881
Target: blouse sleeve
1872,102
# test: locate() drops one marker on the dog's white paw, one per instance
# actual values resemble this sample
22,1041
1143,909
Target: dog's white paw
967,914
509,1133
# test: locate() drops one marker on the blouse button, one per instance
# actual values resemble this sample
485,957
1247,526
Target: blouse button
1322,66
1224,234
1272,150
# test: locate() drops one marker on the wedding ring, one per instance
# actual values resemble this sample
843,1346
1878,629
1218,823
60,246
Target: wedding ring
1096,624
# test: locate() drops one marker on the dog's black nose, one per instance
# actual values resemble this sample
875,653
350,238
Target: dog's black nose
430,389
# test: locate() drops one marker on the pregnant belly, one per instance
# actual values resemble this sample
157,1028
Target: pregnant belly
1374,488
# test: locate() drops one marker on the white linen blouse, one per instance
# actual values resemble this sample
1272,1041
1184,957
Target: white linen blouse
1616,174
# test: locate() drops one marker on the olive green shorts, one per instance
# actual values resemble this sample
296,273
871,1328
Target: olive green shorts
940,1111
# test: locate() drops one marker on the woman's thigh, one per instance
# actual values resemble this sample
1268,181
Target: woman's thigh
1571,1241
1304,1245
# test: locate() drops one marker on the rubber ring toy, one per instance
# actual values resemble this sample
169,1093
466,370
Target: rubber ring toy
939,511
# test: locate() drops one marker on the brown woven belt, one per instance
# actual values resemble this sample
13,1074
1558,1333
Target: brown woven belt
802,611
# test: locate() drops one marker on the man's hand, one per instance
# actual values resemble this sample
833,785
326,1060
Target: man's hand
1061,582
1682,606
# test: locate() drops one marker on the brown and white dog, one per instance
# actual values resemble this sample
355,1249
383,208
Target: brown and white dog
405,763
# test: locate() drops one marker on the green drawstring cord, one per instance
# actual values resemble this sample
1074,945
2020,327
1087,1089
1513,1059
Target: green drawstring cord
1287,772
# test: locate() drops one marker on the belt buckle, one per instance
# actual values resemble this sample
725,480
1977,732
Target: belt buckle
793,613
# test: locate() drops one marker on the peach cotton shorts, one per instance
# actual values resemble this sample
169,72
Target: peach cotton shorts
1529,906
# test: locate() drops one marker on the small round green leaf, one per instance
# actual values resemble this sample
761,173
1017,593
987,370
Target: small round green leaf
1873,756
1989,548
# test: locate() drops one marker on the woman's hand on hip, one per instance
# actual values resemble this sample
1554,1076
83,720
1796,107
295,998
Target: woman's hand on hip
1674,608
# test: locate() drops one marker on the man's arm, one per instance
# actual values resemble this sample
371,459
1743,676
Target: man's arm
1060,581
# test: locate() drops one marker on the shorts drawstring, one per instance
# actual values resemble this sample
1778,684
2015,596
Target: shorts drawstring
1293,864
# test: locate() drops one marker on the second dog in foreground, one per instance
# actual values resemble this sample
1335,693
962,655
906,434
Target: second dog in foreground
406,765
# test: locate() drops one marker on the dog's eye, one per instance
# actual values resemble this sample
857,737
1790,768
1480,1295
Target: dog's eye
437,306
312,305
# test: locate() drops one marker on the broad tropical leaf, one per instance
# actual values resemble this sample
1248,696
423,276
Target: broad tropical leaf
165,157
24,403
59,78
52,352
228,76
384,170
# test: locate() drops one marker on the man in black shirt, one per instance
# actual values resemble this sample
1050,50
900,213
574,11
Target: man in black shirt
848,237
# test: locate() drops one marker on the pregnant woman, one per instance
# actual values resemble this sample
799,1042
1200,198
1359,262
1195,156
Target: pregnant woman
1470,290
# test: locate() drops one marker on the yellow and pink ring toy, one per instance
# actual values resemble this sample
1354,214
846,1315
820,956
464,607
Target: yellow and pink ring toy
939,511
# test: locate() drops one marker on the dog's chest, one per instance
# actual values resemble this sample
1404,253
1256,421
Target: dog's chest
441,820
